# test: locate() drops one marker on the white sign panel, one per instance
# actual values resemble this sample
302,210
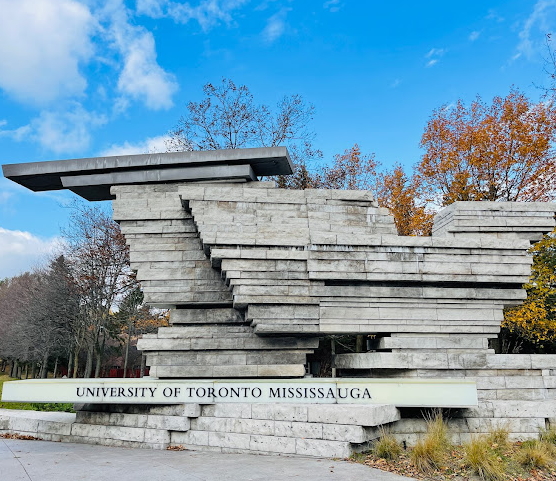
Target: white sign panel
399,392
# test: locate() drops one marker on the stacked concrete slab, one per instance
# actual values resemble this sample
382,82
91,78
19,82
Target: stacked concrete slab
301,264
209,336
308,263
309,430
255,276
498,219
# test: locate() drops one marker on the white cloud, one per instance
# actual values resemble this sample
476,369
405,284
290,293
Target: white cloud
208,13
474,35
141,78
47,48
4,196
493,15
275,26
20,251
150,145
18,134
434,55
151,8
42,44
62,131
541,21
435,52
332,5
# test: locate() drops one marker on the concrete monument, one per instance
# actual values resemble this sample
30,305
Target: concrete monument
255,276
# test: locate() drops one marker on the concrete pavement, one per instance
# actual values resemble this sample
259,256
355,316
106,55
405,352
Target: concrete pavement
22,460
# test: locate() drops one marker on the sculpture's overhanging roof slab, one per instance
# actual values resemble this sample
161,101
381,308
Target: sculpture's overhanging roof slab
92,177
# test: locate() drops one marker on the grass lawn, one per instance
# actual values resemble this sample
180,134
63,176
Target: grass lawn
66,407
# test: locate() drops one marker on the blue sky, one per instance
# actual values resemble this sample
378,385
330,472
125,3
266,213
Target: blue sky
81,78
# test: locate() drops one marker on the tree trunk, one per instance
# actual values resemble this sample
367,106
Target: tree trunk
99,362
43,374
75,361
55,368
333,354
99,352
70,364
143,365
126,356
13,368
89,363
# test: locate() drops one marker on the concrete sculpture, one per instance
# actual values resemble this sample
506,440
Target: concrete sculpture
255,276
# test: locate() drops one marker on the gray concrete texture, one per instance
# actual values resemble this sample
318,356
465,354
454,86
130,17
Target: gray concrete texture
308,263
277,262
255,275
47,461
332,431
92,178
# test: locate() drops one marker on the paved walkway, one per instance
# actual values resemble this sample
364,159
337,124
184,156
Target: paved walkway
48,461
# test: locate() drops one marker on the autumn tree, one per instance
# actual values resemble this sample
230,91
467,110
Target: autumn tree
535,320
502,151
351,170
17,320
137,318
99,256
56,308
37,310
401,195
229,118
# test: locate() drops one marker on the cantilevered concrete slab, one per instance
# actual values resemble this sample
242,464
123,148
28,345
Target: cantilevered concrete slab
92,177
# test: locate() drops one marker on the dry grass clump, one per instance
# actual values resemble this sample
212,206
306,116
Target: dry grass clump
489,457
429,452
387,446
480,456
548,435
499,438
427,455
536,454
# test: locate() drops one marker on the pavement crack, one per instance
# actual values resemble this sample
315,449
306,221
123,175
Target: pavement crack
18,459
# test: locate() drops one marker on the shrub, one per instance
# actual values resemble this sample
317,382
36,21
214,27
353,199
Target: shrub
536,454
548,435
483,460
437,429
387,446
498,438
429,452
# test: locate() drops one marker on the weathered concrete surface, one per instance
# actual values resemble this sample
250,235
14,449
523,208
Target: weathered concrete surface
242,262
47,461
333,431
92,178
255,275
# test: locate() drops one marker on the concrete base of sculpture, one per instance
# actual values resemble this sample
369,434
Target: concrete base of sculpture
310,430
303,429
